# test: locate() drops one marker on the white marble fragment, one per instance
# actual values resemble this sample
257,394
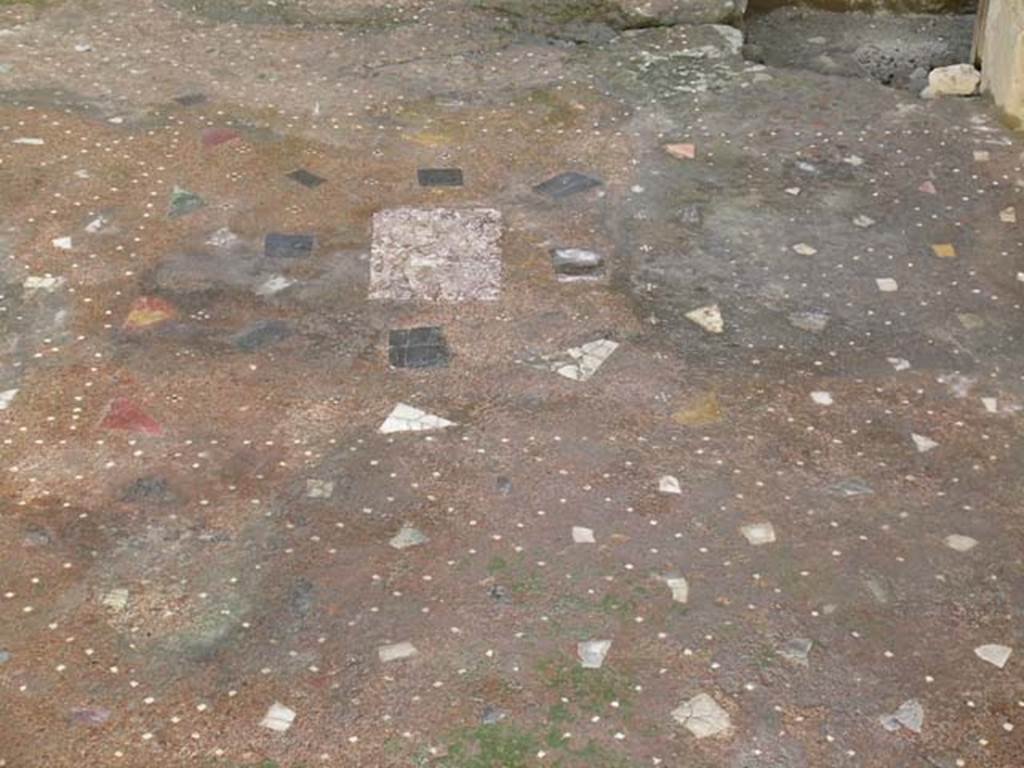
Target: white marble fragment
703,717
960,542
29,141
273,284
822,398
887,284
991,404
592,653
6,398
1008,215
319,489
278,718
582,362
396,652
48,283
669,484
899,363
923,443
759,533
581,535
863,221
679,587
405,418
115,599
709,318
62,243
995,654
803,249
407,537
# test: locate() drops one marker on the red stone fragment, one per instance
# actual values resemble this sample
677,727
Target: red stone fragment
126,415
213,137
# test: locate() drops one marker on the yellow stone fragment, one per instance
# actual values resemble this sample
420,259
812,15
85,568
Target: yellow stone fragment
699,411
944,250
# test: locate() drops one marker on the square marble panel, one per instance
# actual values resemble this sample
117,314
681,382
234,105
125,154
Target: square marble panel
439,254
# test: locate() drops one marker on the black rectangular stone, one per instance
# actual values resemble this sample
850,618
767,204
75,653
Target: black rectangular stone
306,178
565,184
280,246
440,177
417,348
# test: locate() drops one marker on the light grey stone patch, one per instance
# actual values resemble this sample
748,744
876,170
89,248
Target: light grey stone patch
879,592
954,80
408,537
995,654
759,534
396,652
278,718
863,221
812,320
679,587
959,386
592,653
436,254
703,717
709,318
887,284
406,418
273,284
910,715
923,443
319,489
899,363
849,488
576,264
796,650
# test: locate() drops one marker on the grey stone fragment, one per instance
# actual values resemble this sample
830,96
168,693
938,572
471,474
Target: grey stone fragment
796,650
910,715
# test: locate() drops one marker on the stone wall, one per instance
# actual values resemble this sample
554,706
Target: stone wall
1002,52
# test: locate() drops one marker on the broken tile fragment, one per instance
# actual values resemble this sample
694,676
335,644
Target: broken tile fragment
679,587
681,151
417,348
759,534
960,542
306,178
214,137
184,202
803,249
261,334
923,443
148,312
436,254
703,717
278,718
278,245
406,418
572,264
579,363
592,653
396,652
709,318
566,184
319,489
887,284
6,398
910,715
810,320
822,398
995,654
123,414
669,484
439,177
863,221
408,537
700,410
796,651
944,250
581,535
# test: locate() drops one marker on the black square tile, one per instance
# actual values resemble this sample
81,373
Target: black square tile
191,99
565,184
440,177
280,246
417,348
306,178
